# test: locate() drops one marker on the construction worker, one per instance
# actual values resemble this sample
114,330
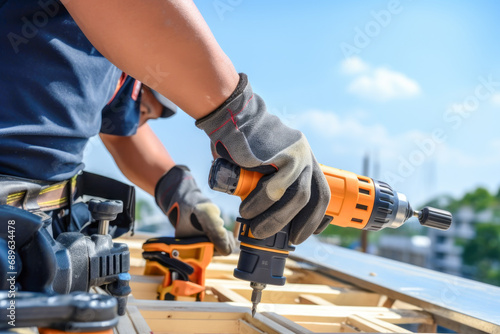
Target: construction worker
190,212
59,67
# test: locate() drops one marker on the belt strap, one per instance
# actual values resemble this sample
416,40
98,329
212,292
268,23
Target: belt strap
33,195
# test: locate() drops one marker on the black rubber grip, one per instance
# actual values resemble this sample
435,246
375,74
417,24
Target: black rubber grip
262,260
105,210
224,176
435,218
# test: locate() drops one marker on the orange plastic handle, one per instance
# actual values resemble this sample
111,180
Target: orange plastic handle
246,183
351,201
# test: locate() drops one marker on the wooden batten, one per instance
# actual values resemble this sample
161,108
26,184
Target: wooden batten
310,302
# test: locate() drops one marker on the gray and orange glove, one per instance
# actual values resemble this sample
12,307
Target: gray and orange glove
189,211
293,190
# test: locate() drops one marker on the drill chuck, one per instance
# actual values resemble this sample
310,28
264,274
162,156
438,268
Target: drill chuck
390,208
435,218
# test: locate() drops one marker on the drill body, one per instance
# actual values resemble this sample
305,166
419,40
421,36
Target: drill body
356,201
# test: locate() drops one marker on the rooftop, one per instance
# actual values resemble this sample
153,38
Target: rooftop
329,289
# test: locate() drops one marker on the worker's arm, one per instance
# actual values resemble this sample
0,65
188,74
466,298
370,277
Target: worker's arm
145,162
142,158
167,45
164,43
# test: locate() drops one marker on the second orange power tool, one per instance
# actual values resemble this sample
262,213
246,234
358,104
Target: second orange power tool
356,201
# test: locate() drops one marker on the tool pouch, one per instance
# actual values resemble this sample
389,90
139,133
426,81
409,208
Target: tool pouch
89,184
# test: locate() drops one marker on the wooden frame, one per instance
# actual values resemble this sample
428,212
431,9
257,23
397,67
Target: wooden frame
310,302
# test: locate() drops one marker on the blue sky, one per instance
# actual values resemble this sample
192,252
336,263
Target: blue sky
415,84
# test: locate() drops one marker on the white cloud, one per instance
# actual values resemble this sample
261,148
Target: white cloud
348,136
412,161
383,84
346,133
379,83
353,65
495,99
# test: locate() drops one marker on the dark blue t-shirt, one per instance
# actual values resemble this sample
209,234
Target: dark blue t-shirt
53,86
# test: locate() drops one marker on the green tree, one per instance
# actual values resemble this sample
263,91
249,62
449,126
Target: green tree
480,199
483,253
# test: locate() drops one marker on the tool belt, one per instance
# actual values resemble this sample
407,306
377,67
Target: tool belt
22,193
40,197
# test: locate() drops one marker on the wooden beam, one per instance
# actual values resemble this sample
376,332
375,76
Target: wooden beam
225,270
124,326
326,327
321,313
220,271
326,305
418,286
288,324
427,328
313,300
227,295
345,328
210,297
308,276
136,270
138,320
246,328
296,312
365,324
265,324
147,278
230,259
189,317
289,293
194,326
162,315
389,302
144,290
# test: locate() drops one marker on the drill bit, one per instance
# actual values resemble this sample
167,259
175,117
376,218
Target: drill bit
256,295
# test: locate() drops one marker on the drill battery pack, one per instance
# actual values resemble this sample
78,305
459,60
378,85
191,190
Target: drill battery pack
182,262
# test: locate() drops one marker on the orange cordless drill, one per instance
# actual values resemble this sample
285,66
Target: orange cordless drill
356,201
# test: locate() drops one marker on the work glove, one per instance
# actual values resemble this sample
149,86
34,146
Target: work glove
189,211
293,190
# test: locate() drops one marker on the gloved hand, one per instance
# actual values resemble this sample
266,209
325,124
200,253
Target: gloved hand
189,211
294,190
